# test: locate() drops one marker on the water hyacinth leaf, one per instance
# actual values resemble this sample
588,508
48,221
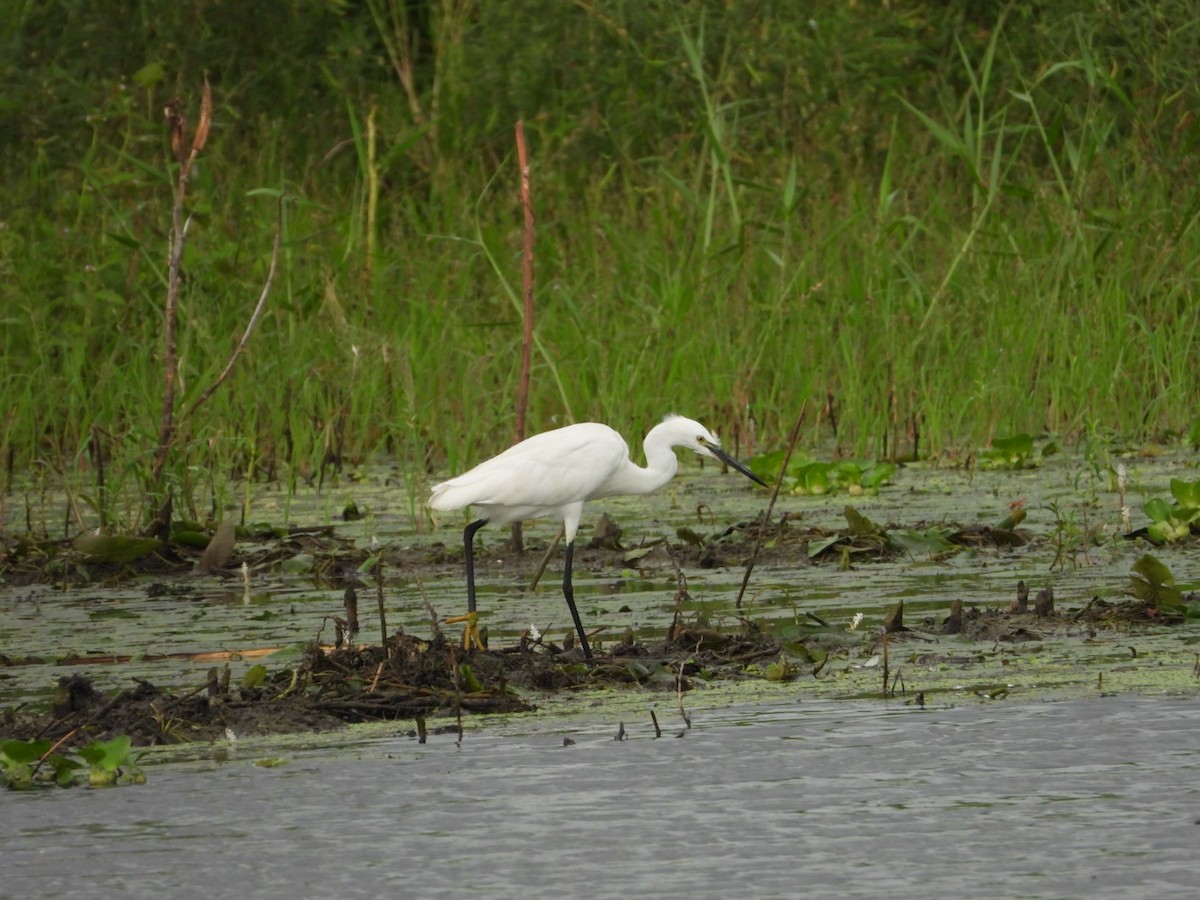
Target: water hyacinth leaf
1186,493
63,769
878,474
848,472
108,755
113,548
767,465
1153,570
107,758
1167,532
1157,509
1153,583
816,478
23,751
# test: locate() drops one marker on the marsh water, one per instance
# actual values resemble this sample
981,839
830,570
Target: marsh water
171,630
821,784
1085,798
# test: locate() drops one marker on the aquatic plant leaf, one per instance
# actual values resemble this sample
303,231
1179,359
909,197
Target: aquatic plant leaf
63,769
113,548
1168,531
1186,493
109,756
860,525
849,472
1153,583
815,548
1157,509
23,751
816,478
878,474
1153,570
255,676
767,465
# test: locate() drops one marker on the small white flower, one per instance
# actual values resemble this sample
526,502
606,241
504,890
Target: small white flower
534,633
1122,477
856,621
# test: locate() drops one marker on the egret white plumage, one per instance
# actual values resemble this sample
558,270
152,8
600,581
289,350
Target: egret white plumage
554,473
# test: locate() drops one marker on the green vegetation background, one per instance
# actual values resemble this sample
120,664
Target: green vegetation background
971,218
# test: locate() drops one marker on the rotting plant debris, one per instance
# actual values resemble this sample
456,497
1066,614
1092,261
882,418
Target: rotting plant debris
411,678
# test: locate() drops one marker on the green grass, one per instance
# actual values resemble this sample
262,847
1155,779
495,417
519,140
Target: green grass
986,226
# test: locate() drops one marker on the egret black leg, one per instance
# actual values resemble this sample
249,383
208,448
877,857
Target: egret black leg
569,593
469,546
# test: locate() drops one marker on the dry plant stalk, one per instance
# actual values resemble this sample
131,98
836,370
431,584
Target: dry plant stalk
185,155
527,280
186,152
771,506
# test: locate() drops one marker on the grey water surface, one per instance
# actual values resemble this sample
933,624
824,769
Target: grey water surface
1084,798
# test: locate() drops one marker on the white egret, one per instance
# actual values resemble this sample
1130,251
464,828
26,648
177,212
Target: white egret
554,473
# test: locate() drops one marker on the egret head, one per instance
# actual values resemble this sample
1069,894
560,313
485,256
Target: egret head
691,434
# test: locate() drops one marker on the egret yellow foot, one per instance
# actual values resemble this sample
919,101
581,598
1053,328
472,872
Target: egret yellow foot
470,639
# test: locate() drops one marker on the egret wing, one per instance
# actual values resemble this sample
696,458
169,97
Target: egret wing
544,472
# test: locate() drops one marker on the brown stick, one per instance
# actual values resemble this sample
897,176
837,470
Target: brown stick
187,157
254,317
795,436
527,278
527,273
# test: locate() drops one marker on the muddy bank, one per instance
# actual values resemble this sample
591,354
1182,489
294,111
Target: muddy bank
664,610
410,679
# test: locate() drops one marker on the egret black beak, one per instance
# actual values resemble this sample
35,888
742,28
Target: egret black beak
732,463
